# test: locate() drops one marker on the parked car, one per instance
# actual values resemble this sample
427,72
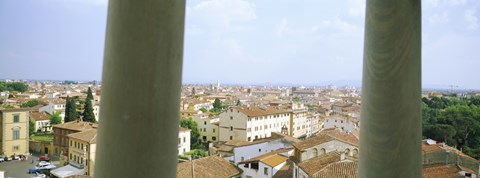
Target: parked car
1,158
43,163
44,158
38,175
32,171
16,157
49,166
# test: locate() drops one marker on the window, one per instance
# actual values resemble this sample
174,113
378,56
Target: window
82,146
204,138
265,171
70,155
16,134
231,110
241,159
184,139
213,130
259,150
231,117
179,140
249,138
16,118
75,144
231,128
214,138
71,143
16,148
204,122
231,137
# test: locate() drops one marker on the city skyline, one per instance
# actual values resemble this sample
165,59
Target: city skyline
239,41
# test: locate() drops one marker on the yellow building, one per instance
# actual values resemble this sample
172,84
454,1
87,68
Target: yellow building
14,131
81,149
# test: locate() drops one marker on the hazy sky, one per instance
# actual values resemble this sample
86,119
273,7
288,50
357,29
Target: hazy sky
239,41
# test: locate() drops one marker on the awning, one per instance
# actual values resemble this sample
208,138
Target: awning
67,171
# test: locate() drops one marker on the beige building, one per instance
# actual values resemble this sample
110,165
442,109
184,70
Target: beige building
251,123
14,131
81,150
208,128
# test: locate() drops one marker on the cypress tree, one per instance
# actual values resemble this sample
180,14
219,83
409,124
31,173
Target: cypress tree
89,94
73,110
67,110
88,115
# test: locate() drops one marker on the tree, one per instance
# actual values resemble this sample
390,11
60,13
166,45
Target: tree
195,142
55,118
31,126
196,153
18,86
67,109
217,104
31,103
71,113
238,102
89,94
88,115
203,110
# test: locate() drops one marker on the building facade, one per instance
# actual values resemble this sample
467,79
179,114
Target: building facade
251,123
183,140
14,131
81,150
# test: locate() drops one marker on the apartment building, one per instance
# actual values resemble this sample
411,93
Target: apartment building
251,123
81,150
14,131
208,128
60,139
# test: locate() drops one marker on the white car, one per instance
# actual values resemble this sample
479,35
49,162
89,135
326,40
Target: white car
38,175
2,159
43,163
16,157
49,166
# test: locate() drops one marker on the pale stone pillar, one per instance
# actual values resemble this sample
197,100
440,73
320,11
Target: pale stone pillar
390,131
138,133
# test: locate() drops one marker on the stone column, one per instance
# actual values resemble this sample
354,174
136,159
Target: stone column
142,72
390,131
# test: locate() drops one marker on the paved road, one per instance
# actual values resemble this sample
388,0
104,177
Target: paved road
18,169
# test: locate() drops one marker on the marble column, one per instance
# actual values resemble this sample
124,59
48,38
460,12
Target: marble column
390,126
142,72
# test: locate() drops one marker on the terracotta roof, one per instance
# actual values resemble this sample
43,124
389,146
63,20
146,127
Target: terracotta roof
257,111
313,141
427,148
436,171
89,135
181,129
76,125
342,136
285,172
345,169
272,158
314,165
212,166
13,109
39,116
330,166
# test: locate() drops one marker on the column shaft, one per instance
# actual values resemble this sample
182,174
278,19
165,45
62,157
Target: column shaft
141,83
390,131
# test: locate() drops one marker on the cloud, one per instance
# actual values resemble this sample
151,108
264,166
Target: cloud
282,27
471,19
438,18
342,25
357,8
221,13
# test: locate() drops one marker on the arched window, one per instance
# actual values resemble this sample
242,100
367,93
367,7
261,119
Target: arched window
347,152
355,153
322,151
314,153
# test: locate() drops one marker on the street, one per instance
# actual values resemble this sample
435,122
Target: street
19,169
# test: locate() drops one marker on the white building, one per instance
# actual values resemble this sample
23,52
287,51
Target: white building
300,125
54,106
347,124
251,123
236,151
266,165
42,121
183,140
